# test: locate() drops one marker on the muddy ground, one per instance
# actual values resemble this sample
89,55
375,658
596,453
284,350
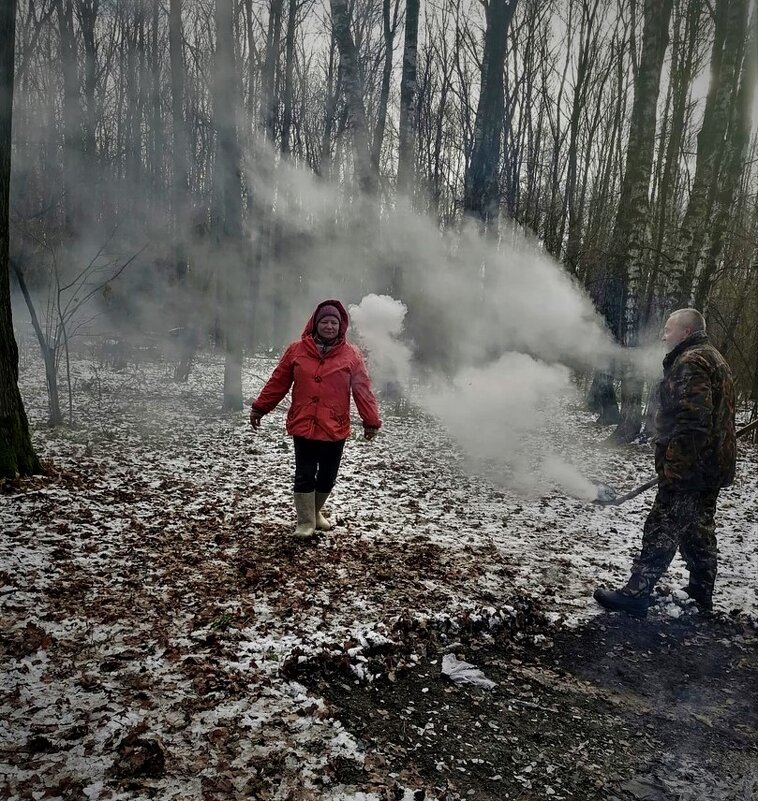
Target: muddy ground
617,709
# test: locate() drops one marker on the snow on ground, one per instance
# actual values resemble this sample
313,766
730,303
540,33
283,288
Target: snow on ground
150,593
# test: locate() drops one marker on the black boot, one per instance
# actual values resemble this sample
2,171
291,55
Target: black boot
700,596
619,602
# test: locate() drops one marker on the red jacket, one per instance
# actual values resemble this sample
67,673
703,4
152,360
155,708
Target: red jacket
321,385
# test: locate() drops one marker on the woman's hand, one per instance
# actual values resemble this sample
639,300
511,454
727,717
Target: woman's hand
370,433
255,419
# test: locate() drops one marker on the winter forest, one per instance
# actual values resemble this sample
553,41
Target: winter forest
499,205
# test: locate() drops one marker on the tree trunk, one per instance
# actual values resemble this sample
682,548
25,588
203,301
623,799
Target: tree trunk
389,25
731,20
72,118
572,211
681,79
87,11
283,278
269,100
353,87
289,69
481,194
737,144
17,456
627,256
228,199
180,185
155,99
406,164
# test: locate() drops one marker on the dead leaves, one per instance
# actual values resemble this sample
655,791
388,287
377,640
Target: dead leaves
139,757
29,640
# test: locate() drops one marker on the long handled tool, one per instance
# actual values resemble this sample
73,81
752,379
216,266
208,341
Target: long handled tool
608,496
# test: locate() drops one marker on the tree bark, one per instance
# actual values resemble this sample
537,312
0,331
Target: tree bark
155,99
289,69
228,200
17,456
269,99
628,253
180,186
389,25
73,145
737,144
731,19
87,11
681,80
353,87
481,192
572,210
283,278
406,165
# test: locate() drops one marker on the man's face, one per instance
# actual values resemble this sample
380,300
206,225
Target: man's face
674,332
328,327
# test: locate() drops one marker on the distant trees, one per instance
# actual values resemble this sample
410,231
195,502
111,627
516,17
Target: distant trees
578,120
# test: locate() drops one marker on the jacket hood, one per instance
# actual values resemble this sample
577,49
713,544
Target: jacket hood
310,326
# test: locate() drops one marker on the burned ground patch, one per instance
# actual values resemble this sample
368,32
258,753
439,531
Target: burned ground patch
617,709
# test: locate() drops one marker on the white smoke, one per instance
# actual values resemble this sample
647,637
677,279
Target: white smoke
567,477
503,417
379,322
495,411
500,321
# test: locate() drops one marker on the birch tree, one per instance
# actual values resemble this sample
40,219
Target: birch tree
406,162
628,252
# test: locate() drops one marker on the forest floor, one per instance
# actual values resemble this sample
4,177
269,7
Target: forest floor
163,637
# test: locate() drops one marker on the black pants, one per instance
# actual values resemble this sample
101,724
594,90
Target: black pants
316,464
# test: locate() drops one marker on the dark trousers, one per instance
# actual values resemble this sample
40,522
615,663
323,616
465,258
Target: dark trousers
316,464
683,520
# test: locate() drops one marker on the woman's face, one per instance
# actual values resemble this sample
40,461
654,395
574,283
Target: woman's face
328,327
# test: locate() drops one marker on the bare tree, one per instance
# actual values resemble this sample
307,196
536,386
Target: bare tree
727,54
736,148
180,187
389,29
406,162
481,193
352,84
628,254
228,200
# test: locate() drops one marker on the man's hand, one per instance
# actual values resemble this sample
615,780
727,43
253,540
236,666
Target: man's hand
255,419
370,433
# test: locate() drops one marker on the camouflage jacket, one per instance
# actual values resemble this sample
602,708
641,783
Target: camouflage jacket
696,446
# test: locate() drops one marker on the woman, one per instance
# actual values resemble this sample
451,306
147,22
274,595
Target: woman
322,368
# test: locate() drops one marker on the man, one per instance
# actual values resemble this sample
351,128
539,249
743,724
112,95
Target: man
695,456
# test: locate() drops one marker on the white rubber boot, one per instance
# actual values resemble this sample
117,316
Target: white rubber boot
322,523
305,505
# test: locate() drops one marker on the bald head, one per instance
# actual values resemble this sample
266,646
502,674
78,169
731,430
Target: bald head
680,325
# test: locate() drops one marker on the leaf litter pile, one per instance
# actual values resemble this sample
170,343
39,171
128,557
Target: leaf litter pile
163,637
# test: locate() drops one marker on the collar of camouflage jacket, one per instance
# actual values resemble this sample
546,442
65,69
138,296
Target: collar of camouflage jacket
698,338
